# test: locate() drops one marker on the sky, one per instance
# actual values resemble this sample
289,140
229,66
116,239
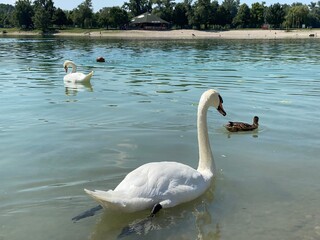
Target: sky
99,4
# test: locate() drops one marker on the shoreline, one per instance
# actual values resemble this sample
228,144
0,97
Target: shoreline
183,34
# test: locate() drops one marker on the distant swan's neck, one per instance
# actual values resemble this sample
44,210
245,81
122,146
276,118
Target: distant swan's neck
206,162
74,67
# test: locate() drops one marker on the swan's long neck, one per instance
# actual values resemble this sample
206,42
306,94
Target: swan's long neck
74,67
206,162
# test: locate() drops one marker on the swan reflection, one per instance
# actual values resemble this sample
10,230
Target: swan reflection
72,88
187,221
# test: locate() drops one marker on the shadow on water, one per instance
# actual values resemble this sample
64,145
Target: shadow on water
165,225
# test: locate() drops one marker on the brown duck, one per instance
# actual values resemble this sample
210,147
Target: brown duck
100,59
241,126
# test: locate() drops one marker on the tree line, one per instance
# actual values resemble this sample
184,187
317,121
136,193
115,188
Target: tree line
199,14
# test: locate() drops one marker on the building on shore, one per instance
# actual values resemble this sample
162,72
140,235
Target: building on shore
148,21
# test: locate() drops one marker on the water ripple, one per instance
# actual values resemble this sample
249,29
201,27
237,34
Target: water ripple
58,138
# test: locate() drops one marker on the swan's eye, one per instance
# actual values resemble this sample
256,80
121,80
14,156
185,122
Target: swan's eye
221,100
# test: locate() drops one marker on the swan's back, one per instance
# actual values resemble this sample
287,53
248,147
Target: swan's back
78,77
152,183
158,178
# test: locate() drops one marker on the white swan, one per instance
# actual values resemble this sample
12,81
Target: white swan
75,76
166,184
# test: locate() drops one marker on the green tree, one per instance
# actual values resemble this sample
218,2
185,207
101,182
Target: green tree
297,15
46,5
118,17
214,6
180,15
242,19
137,7
104,17
113,17
257,14
231,8
314,14
70,15
60,18
44,11
23,14
202,13
83,14
189,10
276,15
164,9
41,19
223,16
6,15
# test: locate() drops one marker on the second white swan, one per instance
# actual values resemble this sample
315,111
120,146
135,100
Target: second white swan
159,185
75,76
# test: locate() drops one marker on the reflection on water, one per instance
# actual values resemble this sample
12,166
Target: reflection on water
72,88
112,224
58,138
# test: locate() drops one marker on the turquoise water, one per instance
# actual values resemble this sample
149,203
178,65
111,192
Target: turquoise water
57,139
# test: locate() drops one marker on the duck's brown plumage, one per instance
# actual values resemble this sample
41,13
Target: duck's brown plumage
100,59
241,126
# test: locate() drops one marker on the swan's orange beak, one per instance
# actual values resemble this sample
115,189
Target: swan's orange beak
221,110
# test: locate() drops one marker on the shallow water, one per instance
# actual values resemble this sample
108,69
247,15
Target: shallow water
57,139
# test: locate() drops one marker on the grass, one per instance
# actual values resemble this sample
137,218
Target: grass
86,30
66,30
12,30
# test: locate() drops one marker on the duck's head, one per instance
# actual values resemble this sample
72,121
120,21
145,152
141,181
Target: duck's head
256,120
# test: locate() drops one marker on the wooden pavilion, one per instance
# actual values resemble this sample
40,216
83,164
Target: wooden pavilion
148,21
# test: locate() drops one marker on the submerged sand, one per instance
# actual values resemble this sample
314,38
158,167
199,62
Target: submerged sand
190,34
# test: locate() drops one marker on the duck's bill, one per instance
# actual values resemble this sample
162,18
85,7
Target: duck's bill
221,110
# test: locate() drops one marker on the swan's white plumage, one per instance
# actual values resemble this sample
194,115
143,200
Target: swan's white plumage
167,183
75,76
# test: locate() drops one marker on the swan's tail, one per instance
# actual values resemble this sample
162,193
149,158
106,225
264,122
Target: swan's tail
119,201
107,199
88,77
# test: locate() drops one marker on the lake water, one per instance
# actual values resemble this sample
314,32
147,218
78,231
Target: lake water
57,139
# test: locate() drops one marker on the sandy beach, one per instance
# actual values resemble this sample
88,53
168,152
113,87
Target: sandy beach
190,34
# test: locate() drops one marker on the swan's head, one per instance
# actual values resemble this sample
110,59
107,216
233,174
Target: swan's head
66,64
220,106
214,99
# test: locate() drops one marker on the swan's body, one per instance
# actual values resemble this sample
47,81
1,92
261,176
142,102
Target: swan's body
75,76
241,126
166,184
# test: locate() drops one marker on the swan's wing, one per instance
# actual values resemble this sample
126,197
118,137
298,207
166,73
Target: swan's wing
161,181
167,183
77,77
72,77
